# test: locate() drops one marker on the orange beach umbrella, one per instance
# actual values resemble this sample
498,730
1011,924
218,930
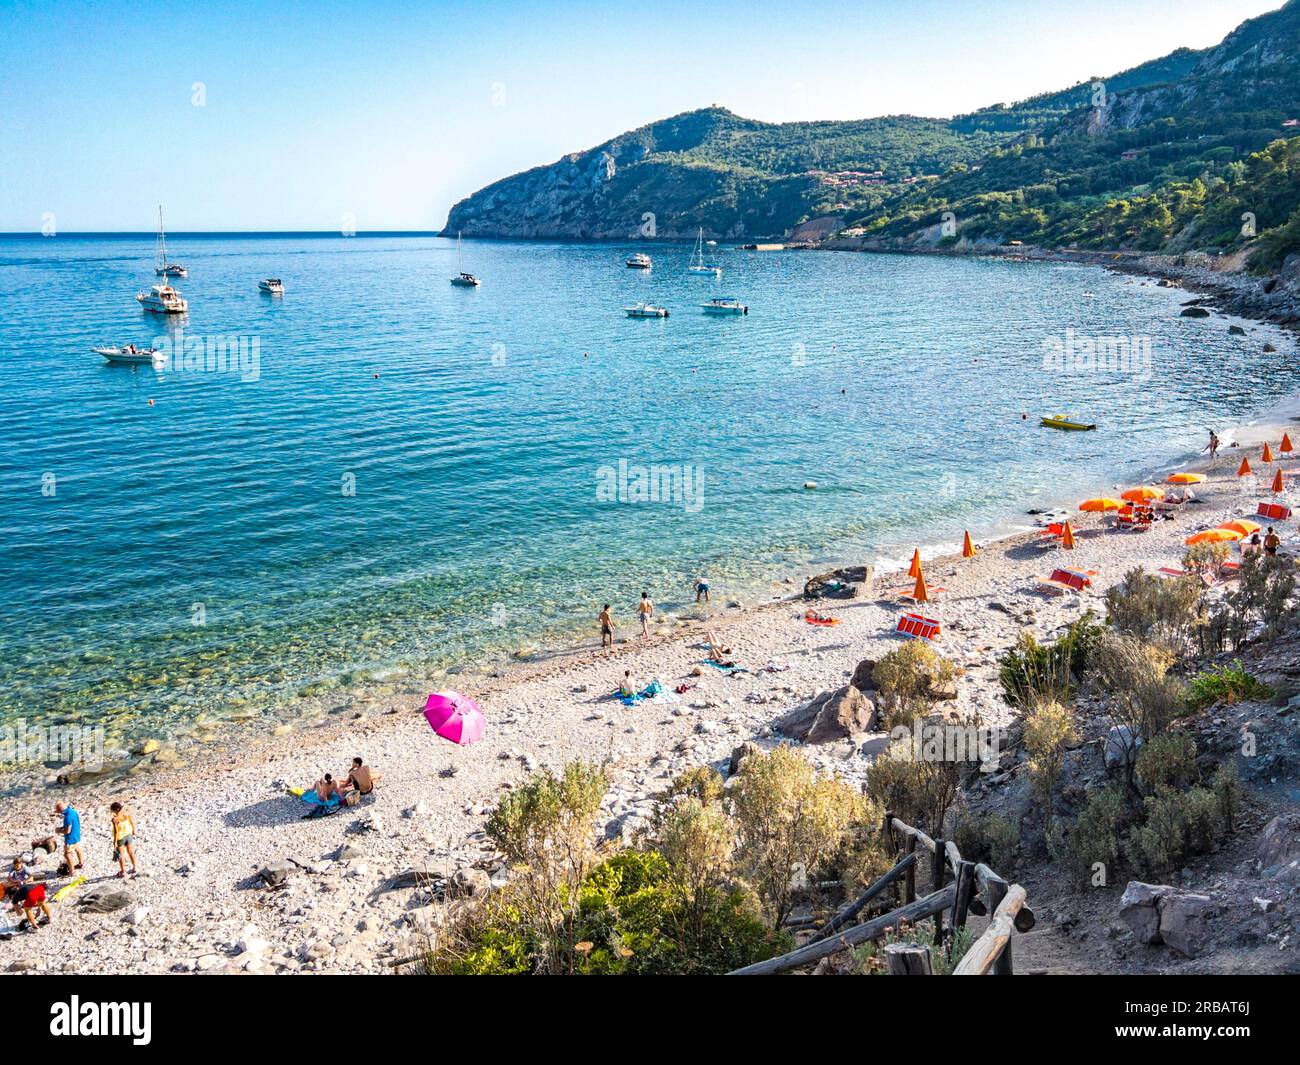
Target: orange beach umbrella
1244,468
1144,494
920,593
1212,536
914,570
1187,478
1067,537
1100,505
1286,447
1268,453
1242,526
1278,483
968,548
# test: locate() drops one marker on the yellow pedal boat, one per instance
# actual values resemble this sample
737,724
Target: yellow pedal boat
1060,421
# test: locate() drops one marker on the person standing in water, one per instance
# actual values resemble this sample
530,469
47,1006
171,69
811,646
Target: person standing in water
606,627
646,609
1213,446
702,589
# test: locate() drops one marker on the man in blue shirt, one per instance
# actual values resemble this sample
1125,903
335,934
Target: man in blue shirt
71,833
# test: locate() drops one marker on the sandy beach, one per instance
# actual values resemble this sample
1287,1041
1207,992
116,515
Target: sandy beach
206,828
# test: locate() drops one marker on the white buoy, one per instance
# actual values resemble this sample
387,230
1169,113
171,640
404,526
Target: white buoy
810,484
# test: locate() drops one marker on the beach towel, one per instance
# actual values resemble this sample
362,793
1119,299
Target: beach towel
309,796
813,618
724,668
648,692
772,667
67,889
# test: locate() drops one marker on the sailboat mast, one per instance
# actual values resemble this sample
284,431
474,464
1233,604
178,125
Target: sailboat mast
162,241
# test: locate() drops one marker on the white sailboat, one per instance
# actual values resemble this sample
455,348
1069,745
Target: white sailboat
698,265
161,266
462,279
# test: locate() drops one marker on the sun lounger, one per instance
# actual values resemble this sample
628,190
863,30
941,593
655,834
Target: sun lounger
1273,512
1206,578
1067,580
920,627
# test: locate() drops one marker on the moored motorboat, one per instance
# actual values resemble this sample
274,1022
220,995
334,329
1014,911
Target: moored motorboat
162,299
1061,421
130,355
724,305
646,310
273,285
639,261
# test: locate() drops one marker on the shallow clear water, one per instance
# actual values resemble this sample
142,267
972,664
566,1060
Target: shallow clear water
475,423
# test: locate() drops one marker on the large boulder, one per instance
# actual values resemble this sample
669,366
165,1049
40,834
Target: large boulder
1121,747
102,900
846,583
864,676
745,750
1139,908
836,715
1185,921
1278,849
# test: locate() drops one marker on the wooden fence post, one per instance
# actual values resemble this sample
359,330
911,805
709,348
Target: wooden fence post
938,866
909,878
997,892
908,959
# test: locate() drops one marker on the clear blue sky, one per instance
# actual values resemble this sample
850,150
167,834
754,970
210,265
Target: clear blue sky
394,110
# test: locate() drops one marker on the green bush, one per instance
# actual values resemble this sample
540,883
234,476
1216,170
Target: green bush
1031,671
1167,761
910,679
632,918
1155,609
990,839
1094,837
1049,730
1179,824
919,791
1226,684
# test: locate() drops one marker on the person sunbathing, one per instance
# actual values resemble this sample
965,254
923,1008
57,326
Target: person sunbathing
718,651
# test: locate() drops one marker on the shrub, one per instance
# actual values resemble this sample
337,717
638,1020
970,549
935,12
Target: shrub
1049,730
1261,595
1167,761
987,839
1094,838
1226,684
787,821
1205,558
697,842
1031,671
1155,609
870,957
546,830
917,790
1178,825
631,918
1141,695
909,679
1226,785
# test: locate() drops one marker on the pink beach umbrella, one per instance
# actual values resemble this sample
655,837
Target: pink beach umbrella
455,717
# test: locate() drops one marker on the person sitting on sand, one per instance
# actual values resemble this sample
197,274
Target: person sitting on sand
360,778
123,840
326,789
28,896
627,687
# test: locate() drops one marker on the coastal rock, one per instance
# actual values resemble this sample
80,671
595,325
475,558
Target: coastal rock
845,583
1139,908
1236,331
1184,922
273,874
831,716
1194,312
104,900
740,754
864,675
1278,849
471,882
1121,747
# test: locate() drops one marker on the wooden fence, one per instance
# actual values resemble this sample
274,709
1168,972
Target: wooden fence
974,889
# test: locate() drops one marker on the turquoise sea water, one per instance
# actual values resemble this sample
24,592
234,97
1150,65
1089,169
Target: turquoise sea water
201,553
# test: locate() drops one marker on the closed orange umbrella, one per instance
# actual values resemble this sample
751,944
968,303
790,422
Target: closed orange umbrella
1187,478
1286,447
914,570
968,548
1067,537
1244,468
1099,505
1268,453
1212,536
1241,525
1143,494
1278,484
920,593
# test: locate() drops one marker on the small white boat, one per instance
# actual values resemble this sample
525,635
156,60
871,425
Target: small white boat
462,279
646,310
698,266
724,305
273,285
639,261
162,299
161,266
130,355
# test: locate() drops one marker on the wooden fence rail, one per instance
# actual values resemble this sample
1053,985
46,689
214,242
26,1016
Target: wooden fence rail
975,889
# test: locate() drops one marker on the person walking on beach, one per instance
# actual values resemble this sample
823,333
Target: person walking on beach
70,830
1271,541
123,840
702,589
646,610
606,627
1213,446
